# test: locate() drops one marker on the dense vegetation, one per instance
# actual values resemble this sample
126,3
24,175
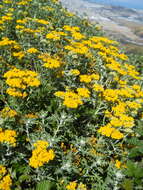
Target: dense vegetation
71,103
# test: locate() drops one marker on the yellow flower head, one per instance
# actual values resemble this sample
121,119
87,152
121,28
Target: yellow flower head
50,62
71,186
82,186
2,171
32,50
85,78
20,79
75,72
98,88
7,112
8,136
118,164
40,155
6,183
83,92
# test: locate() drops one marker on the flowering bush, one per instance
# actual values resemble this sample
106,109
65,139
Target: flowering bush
70,101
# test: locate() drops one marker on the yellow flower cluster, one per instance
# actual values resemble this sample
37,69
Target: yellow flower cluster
116,66
54,35
71,99
8,136
132,71
40,155
83,92
22,21
119,109
74,31
41,21
47,8
111,95
31,116
84,45
81,186
19,54
7,17
71,28
122,120
74,186
78,48
77,35
2,171
7,1
6,42
7,112
124,69
119,117
105,40
71,186
23,2
75,72
109,131
55,1
27,30
20,79
16,93
50,62
32,50
85,78
5,182
106,50
119,164
115,95
133,105
21,25
98,88
89,78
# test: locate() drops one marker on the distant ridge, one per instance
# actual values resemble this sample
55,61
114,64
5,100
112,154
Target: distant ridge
125,24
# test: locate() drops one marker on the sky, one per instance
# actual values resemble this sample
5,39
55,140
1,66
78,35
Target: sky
138,4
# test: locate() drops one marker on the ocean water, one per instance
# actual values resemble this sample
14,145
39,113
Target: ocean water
136,4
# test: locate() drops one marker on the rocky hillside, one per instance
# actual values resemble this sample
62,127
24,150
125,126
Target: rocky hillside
123,23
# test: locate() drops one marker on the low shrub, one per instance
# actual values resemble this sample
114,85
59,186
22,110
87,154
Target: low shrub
70,101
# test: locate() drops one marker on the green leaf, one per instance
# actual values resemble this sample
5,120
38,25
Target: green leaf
46,185
127,184
136,152
130,169
134,141
24,177
138,172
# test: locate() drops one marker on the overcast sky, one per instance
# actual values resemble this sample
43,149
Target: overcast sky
127,3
